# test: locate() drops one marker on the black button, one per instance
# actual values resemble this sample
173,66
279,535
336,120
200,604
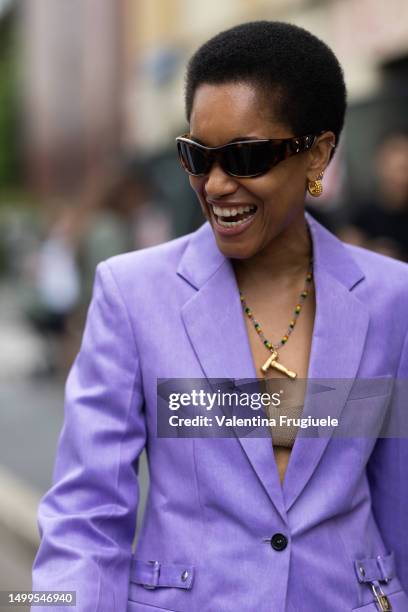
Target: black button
279,541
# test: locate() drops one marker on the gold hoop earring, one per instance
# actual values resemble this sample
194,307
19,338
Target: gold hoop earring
315,188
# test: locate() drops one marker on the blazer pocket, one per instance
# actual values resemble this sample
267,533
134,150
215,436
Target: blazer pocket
377,386
161,586
136,606
366,411
381,589
153,574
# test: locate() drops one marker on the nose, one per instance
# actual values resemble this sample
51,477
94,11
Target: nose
218,183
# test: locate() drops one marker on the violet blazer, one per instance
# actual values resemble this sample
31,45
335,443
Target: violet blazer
214,504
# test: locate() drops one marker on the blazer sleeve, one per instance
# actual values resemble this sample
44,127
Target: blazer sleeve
387,473
87,518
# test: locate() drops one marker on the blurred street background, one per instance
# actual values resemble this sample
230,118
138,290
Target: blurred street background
91,99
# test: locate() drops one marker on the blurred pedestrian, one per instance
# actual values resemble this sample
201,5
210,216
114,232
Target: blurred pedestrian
381,223
117,210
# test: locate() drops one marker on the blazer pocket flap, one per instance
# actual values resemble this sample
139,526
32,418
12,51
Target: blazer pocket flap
380,568
371,387
152,574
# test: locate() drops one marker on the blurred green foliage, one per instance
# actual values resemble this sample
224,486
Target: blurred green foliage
10,165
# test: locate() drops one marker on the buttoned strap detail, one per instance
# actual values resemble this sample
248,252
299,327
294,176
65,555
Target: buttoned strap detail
154,574
381,568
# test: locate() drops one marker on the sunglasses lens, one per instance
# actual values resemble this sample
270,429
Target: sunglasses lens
243,159
194,159
249,159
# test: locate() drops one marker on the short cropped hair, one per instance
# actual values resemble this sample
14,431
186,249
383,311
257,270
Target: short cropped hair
299,74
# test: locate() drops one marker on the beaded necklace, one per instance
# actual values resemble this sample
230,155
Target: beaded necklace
272,361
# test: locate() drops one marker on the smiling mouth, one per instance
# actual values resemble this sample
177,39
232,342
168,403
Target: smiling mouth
232,216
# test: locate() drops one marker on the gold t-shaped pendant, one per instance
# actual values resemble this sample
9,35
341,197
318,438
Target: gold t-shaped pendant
272,362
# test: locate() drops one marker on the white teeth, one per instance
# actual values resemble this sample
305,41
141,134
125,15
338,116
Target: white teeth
222,212
232,211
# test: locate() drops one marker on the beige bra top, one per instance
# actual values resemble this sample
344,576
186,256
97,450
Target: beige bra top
291,406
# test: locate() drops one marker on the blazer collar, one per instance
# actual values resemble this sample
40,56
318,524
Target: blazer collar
202,257
215,325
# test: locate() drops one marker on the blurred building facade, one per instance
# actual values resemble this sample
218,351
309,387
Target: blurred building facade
71,73
107,76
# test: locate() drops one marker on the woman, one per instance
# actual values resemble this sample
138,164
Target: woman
234,523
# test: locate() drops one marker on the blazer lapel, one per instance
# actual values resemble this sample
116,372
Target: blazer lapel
215,324
339,334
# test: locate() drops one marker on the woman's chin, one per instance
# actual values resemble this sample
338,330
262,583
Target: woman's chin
238,250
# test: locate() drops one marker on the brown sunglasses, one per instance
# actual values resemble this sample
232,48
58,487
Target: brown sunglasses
241,159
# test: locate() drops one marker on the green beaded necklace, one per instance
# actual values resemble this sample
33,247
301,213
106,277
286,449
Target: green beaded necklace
272,361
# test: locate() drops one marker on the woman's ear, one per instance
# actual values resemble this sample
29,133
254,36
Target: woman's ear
319,155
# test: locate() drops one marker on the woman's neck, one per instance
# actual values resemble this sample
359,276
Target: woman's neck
284,259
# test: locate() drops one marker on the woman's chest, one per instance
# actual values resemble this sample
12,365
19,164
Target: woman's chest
294,356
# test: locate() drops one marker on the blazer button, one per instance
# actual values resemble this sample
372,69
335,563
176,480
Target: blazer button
279,541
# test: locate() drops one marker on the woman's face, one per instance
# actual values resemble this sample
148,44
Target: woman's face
231,111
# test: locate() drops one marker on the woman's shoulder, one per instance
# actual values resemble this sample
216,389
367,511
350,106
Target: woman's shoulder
149,262
377,265
385,284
